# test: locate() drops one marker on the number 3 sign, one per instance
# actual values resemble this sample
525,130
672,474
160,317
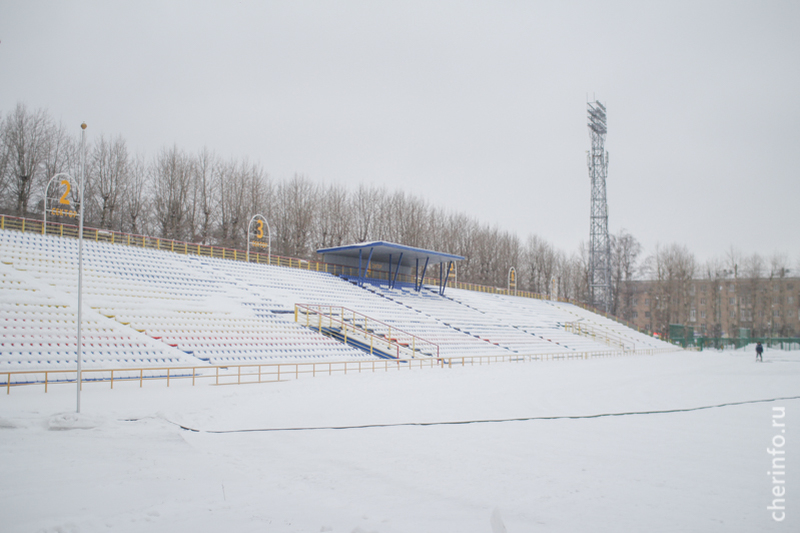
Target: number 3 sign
256,239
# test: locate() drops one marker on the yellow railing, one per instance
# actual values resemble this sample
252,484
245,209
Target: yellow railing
155,243
376,333
275,372
585,330
207,250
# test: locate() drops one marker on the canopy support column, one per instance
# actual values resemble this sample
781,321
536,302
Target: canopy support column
443,282
363,276
418,281
393,280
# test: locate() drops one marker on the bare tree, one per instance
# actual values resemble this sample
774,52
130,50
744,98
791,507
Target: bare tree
461,231
62,155
136,202
335,218
298,202
539,266
625,250
509,254
231,184
572,277
672,269
202,199
714,275
779,271
582,274
409,218
108,172
749,290
260,194
171,181
25,137
436,229
365,204
494,252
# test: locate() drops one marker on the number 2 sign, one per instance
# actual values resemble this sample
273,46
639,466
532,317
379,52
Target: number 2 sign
62,206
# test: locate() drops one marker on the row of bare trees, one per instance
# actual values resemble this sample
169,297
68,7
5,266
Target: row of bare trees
203,198
200,197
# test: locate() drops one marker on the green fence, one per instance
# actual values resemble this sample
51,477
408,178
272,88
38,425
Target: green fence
776,343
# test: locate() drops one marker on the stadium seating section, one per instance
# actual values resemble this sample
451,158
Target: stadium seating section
150,308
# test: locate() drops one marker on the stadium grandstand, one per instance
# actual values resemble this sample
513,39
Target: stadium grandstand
153,307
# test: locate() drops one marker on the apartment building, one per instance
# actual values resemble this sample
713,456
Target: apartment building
720,307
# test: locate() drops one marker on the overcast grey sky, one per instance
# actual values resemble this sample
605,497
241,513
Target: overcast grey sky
479,107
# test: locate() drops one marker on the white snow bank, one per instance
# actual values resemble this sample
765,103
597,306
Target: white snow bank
66,421
135,470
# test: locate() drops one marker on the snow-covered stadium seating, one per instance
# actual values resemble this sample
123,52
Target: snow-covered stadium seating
151,308
547,319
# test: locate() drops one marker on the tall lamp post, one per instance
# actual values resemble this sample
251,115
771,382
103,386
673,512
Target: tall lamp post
80,259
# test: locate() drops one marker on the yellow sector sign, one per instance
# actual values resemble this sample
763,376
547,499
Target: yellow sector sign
64,212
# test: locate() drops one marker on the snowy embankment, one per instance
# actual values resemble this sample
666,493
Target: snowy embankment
125,465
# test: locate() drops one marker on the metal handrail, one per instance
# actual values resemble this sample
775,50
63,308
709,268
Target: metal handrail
580,328
413,345
276,372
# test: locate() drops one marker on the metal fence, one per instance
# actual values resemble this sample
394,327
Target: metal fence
276,372
776,343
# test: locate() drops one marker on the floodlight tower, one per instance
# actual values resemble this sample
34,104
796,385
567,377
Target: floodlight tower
599,243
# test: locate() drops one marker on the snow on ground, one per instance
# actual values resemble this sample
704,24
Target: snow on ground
124,465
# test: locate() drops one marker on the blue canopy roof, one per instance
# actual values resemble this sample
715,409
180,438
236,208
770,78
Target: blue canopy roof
382,251
396,257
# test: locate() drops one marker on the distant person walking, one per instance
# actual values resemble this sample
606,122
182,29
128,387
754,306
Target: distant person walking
759,351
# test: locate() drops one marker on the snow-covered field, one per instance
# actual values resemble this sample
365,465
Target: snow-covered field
125,465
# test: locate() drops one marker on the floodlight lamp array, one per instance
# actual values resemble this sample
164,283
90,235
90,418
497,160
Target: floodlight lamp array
597,118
